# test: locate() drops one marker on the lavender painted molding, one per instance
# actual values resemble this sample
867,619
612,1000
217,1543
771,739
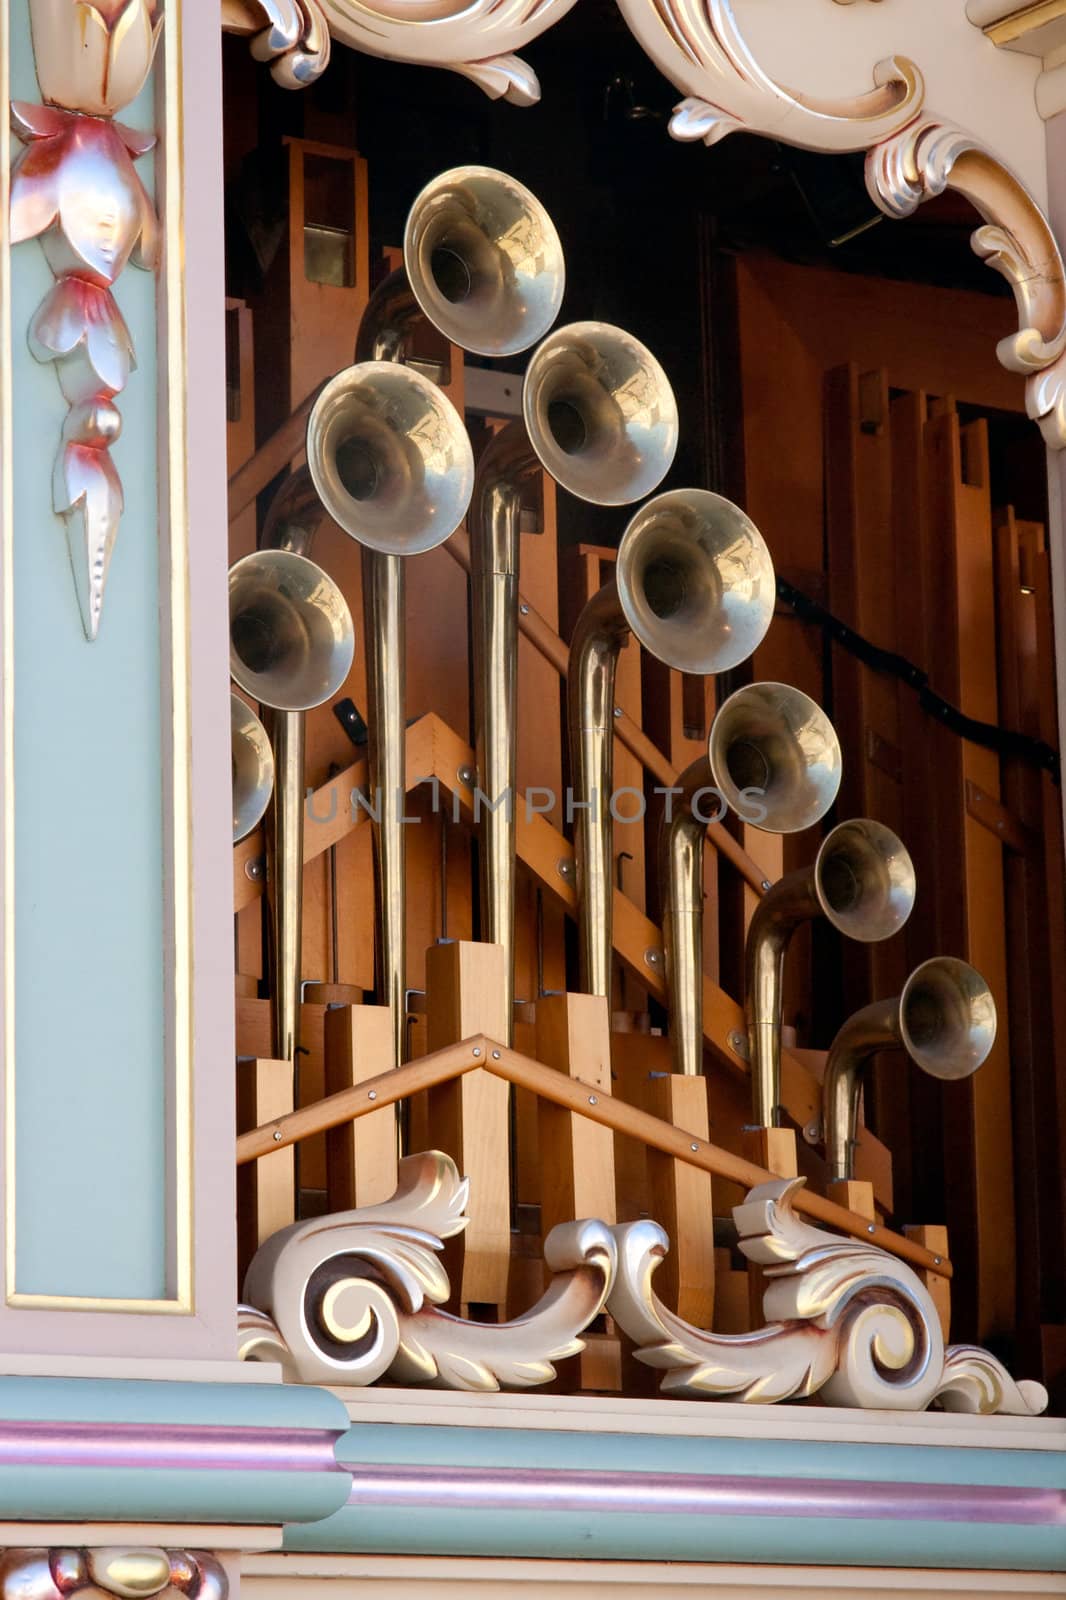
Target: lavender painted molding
690,1494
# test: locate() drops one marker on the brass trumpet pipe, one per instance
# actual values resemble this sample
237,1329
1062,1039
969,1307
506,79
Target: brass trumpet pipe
384,335
600,632
681,845
292,523
790,901
945,1019
507,463
874,1028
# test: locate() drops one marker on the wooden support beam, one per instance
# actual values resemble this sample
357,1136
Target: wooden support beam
266,1195
482,1052
469,1117
360,1156
435,753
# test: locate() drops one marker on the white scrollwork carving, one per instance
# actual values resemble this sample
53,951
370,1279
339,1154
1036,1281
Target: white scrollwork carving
698,45
353,1297
846,1320
931,156
476,38
291,34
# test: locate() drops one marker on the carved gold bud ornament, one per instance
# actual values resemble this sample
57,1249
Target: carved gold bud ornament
94,57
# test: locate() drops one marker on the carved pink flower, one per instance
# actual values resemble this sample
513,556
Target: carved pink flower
75,188
94,55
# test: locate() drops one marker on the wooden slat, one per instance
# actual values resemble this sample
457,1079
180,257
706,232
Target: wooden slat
266,1194
360,1156
434,750
469,1117
961,646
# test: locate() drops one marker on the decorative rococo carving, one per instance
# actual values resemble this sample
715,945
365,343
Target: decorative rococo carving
476,38
701,49
354,1297
75,188
291,34
911,156
930,156
131,1573
846,1321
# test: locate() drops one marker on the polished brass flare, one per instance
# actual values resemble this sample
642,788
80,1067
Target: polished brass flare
775,757
945,1019
694,583
253,767
291,648
862,880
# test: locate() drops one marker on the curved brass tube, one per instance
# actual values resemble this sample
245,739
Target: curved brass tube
694,582
945,1019
862,880
681,842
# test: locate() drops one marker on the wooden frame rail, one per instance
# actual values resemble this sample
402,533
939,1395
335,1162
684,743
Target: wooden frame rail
585,1100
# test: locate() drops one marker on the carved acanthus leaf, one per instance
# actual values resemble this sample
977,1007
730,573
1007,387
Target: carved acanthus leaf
476,38
291,34
931,156
698,45
353,1297
847,1321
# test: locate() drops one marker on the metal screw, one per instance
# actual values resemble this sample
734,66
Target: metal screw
618,711
524,609
477,1050
938,1261
372,1094
653,957
694,1147
466,776
871,1227
766,884
565,869
812,1132
738,1043
277,1135
254,869
592,1100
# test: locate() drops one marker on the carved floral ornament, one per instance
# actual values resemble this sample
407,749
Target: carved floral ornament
75,188
127,1573
698,45
355,1297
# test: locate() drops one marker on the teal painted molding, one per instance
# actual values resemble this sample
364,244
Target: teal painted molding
998,1509
787,1541
90,1074
92,1450
506,1447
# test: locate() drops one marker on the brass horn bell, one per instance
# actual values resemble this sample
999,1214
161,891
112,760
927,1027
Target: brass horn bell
253,767
600,413
291,634
775,757
863,882
695,583
390,458
945,1019
484,261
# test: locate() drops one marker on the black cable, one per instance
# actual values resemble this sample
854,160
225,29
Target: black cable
1019,746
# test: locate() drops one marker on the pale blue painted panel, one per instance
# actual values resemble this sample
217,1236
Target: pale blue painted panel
89,1007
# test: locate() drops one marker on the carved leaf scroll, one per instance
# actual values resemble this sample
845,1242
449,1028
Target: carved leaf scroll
354,1297
845,1320
930,156
291,34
